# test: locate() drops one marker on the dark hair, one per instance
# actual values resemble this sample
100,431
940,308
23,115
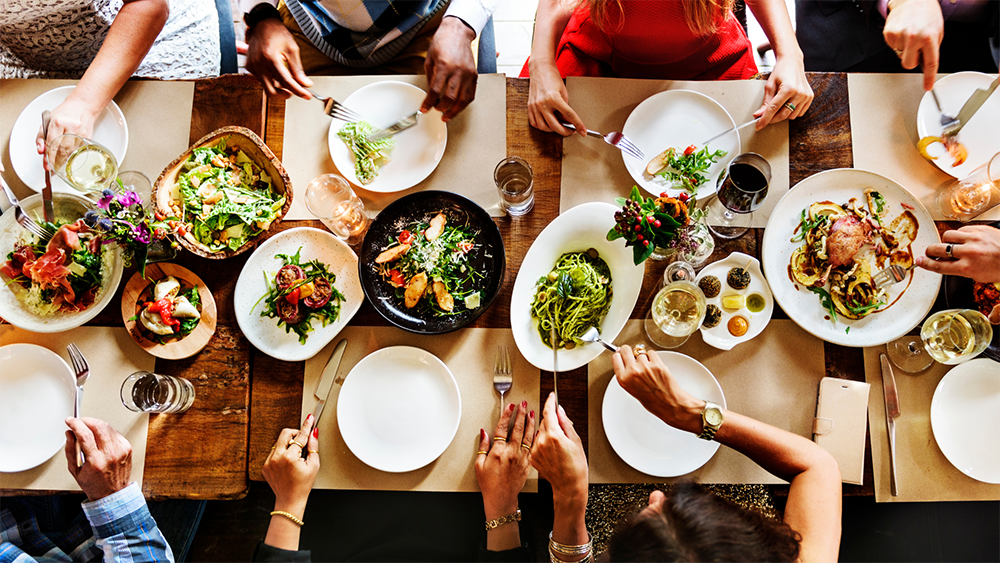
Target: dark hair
698,525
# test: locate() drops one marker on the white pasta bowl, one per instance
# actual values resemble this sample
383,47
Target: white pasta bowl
581,228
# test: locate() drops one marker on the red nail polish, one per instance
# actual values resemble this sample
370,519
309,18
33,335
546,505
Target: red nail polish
309,417
482,434
511,407
316,432
532,414
524,404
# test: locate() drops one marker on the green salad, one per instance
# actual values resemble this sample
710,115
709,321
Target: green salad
300,293
368,155
228,198
684,169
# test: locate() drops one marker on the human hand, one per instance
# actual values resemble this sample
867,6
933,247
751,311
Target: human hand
290,475
649,380
976,253
450,68
108,465
559,458
548,99
273,57
503,469
786,85
914,29
74,115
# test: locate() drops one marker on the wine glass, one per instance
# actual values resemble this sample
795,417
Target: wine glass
950,337
330,198
677,311
85,165
742,190
964,200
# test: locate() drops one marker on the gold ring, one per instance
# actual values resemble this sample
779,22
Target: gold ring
639,349
500,438
899,52
296,443
525,446
481,452
790,106
314,451
273,448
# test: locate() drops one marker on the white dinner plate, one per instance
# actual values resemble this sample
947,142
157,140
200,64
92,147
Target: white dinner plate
110,130
583,227
803,306
678,118
264,332
980,134
650,445
399,409
418,150
965,415
719,335
37,393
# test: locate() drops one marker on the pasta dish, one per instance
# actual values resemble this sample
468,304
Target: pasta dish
573,297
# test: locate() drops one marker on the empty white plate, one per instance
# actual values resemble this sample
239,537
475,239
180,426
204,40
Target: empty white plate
110,130
37,393
647,443
980,134
965,416
399,409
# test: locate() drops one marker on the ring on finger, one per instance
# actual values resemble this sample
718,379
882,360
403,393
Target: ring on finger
789,105
526,446
640,349
948,248
296,443
500,439
482,452
899,52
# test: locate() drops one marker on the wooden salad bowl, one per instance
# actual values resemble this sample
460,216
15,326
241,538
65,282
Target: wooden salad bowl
252,145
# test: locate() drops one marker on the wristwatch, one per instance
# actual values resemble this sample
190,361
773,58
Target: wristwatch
259,13
711,420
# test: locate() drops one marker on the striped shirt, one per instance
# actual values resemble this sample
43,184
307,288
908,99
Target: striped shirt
116,528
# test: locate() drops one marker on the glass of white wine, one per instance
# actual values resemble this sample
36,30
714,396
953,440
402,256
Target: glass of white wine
330,198
85,165
677,311
956,335
977,193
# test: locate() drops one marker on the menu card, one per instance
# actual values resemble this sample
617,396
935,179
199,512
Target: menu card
773,378
113,356
470,355
594,171
922,471
477,141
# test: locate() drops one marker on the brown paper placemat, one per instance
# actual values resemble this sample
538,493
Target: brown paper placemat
884,135
158,115
592,171
469,355
773,378
113,356
923,474
477,141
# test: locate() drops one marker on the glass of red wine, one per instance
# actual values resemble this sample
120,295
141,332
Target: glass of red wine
741,190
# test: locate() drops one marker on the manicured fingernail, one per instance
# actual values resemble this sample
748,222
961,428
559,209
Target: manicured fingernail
316,432
511,407
482,434
532,414
524,404
308,418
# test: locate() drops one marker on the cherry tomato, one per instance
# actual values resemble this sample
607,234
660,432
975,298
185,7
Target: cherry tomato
396,278
293,296
689,150
405,237
466,245
684,197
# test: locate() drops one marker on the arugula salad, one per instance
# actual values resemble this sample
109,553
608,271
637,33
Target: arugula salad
298,293
684,169
369,156
227,197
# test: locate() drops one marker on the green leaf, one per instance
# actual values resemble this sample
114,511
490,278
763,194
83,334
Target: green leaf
636,195
614,234
619,201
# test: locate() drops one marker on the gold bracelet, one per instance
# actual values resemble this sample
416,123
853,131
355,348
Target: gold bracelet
512,517
571,550
290,516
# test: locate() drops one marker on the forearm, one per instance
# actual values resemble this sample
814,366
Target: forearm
506,536
569,525
122,524
773,18
550,22
282,532
132,33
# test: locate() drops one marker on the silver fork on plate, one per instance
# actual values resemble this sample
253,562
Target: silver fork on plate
337,110
503,373
948,121
890,276
82,370
615,139
23,218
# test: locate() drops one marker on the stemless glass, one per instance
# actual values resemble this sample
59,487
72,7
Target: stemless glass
964,200
144,391
742,190
330,198
85,165
514,180
676,312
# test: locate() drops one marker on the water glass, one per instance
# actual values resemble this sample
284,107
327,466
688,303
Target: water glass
144,391
964,200
741,190
85,165
676,312
330,198
514,181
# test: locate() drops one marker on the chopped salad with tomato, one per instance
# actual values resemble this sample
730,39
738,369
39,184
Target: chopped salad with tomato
428,265
685,169
300,293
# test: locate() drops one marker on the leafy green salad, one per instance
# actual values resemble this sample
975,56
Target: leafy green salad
369,156
228,198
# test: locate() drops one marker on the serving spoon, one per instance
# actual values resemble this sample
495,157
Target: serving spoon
594,335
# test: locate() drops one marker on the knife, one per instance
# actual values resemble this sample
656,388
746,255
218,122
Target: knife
401,125
47,210
326,381
891,414
728,131
971,106
555,363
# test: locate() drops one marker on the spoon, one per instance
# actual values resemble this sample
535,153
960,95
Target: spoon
594,335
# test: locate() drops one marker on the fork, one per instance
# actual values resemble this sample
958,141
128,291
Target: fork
503,373
890,276
948,121
82,370
615,139
337,110
23,218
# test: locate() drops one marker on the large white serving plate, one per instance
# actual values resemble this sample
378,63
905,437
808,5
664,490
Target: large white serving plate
678,118
37,393
803,306
647,443
399,409
110,130
68,207
264,332
979,135
582,227
965,416
418,149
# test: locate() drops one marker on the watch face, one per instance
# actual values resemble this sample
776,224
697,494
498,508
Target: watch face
713,417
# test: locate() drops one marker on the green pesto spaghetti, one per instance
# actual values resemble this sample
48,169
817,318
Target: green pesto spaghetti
573,297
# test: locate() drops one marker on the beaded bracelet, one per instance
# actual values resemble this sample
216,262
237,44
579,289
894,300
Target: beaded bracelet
290,516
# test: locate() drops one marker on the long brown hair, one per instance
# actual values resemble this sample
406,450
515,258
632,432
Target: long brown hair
702,16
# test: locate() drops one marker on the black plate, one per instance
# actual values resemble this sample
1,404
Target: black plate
958,295
489,258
